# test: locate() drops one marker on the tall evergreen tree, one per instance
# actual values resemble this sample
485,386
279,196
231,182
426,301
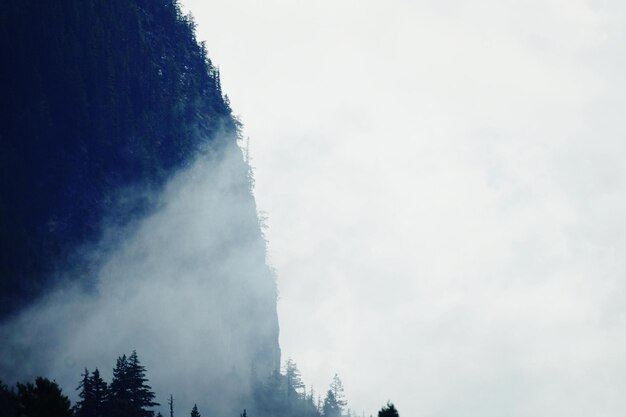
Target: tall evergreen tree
130,395
194,411
119,392
83,407
294,380
99,389
93,395
336,386
141,395
335,402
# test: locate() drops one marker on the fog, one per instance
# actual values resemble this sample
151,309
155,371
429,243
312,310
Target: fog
444,183
444,187
187,287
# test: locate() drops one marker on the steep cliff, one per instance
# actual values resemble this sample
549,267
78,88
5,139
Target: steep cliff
126,213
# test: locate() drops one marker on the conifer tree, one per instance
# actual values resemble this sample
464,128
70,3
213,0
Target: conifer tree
336,386
99,391
93,395
294,380
84,406
389,410
130,396
141,395
194,411
331,408
44,398
119,393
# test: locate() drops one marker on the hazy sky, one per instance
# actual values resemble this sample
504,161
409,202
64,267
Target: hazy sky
445,189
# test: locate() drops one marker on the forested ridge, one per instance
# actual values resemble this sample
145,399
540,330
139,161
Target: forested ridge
97,95
130,395
103,102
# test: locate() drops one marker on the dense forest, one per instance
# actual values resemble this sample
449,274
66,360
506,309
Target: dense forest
106,107
97,95
129,395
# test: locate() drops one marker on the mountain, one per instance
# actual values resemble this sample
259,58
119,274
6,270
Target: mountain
127,218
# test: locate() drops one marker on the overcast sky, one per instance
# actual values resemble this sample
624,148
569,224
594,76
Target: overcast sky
445,189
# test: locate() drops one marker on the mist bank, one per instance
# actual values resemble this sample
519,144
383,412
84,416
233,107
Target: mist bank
188,287
127,217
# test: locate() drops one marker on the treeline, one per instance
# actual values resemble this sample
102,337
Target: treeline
285,394
129,395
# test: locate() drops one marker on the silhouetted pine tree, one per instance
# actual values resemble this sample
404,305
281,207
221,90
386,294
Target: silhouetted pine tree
93,395
83,406
100,390
119,404
194,411
389,410
129,395
42,399
141,394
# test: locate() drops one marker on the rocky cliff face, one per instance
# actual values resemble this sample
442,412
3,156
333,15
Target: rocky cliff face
126,214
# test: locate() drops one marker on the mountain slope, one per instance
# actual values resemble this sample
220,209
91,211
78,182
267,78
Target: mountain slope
97,96
126,214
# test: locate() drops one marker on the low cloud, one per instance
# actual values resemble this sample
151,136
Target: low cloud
187,287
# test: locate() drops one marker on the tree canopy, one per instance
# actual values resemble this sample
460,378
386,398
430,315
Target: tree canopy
96,96
43,398
389,410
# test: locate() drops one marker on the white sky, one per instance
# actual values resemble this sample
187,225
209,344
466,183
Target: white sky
445,190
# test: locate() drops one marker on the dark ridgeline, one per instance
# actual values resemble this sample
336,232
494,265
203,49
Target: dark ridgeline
100,97
96,96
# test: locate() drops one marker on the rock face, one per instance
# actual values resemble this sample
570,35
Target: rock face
127,219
